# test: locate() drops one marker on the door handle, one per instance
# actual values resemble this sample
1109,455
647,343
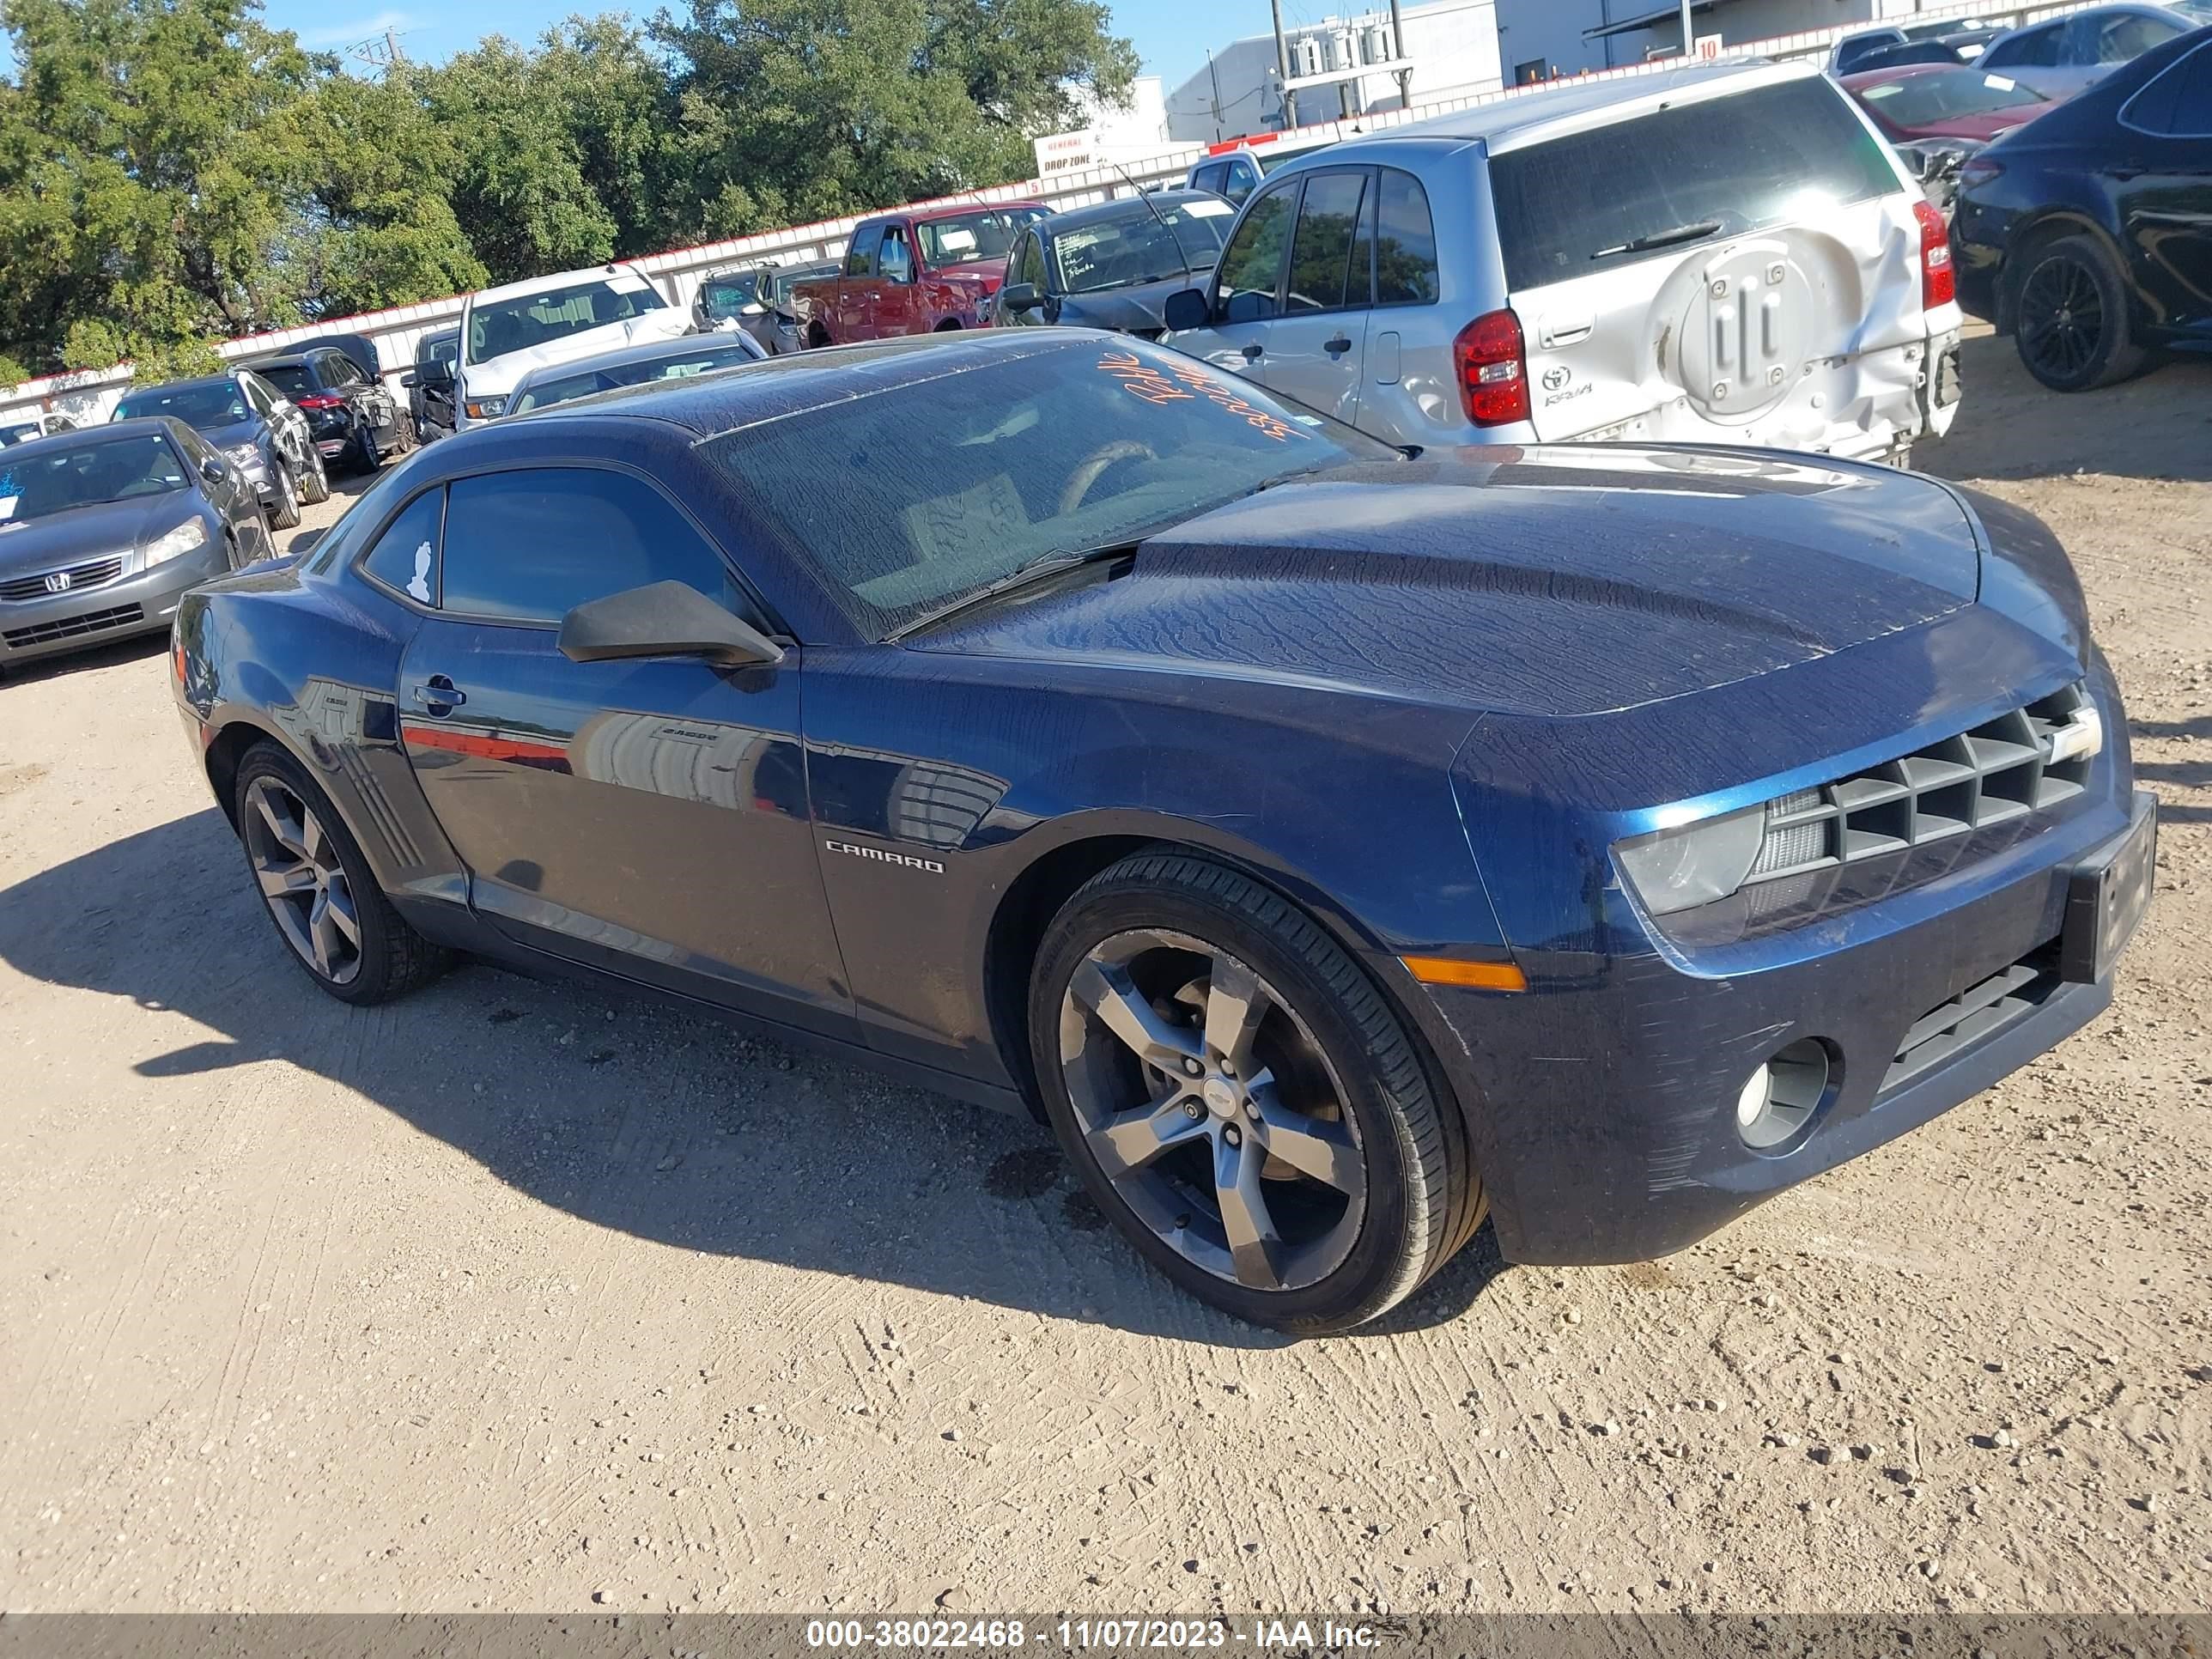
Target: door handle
1252,352
1337,347
1566,333
439,695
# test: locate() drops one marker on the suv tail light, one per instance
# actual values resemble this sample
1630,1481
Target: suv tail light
1939,283
320,400
1493,369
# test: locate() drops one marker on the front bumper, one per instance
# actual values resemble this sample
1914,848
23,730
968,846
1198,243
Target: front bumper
1601,1103
143,603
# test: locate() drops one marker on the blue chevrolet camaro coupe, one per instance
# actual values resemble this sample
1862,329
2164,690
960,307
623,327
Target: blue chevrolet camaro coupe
1334,845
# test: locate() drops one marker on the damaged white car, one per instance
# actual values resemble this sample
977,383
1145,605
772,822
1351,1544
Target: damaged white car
1709,255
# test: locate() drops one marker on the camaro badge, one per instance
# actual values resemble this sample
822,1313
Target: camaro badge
879,856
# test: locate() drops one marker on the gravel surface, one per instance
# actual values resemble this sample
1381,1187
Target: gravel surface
520,1296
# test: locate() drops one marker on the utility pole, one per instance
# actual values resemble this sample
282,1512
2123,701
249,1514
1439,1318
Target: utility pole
1283,68
1398,50
1688,38
1214,69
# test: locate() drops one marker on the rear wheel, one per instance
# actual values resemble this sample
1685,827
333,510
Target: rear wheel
318,889
1241,1101
2070,321
367,455
284,514
314,481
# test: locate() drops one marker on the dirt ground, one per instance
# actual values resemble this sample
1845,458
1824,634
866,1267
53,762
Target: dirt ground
516,1297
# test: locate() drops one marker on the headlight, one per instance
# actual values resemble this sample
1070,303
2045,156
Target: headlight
1696,864
486,409
244,455
183,539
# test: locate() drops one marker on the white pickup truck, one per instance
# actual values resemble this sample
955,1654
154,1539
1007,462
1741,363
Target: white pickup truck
508,331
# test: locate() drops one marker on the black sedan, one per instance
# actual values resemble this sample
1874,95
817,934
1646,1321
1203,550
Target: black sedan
2087,232
351,417
102,531
256,429
1112,265
1333,846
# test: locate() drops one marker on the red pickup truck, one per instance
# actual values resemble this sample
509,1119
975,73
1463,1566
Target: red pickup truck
913,272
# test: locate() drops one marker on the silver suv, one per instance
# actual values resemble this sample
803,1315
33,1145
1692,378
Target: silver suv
1719,255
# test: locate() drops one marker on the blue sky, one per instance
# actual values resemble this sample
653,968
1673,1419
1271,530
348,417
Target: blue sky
1162,29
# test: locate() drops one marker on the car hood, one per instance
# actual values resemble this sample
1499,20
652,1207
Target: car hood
1126,307
86,533
231,432
1544,582
497,376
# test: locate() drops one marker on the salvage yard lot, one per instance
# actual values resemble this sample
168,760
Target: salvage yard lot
514,1295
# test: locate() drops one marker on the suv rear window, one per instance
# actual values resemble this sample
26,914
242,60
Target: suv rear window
1591,201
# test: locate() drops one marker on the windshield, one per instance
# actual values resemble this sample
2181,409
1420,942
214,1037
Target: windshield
986,234
291,380
499,326
1944,95
907,499
212,402
699,358
113,469
1136,247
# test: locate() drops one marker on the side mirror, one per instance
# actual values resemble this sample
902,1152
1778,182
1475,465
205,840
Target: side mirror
1020,296
1186,308
214,471
409,381
664,619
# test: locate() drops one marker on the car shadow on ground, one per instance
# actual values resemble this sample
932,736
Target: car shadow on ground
2158,425
658,1121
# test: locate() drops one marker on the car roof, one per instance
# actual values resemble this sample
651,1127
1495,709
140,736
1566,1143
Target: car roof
955,210
138,426
286,359
229,377
530,285
1123,207
1527,117
651,351
772,388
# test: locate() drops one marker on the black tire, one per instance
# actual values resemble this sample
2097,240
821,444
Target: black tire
389,958
285,515
2071,321
314,481
1421,1198
370,459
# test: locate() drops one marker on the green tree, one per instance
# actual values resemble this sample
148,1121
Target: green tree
804,109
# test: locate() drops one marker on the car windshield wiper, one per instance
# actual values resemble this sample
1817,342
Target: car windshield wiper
1031,570
1661,239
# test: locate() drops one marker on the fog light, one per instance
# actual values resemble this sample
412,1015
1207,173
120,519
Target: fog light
1780,1097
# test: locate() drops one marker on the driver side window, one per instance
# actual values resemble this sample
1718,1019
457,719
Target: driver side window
1251,270
531,545
895,264
860,256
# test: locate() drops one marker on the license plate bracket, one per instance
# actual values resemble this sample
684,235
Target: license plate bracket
2108,894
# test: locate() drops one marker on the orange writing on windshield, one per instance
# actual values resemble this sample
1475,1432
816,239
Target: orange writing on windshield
1186,382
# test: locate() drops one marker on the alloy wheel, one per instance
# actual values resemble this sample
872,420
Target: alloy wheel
303,879
2062,317
1209,1105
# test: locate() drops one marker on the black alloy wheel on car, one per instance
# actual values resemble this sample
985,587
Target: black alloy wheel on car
314,481
284,512
318,887
368,457
1240,1099
2070,319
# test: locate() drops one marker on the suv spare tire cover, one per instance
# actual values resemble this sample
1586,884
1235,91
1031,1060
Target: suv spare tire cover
1744,334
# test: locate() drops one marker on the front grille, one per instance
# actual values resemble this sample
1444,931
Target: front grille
93,621
1978,1012
94,573
1999,770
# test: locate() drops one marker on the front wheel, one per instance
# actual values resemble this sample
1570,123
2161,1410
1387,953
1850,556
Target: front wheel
318,889
1239,1098
284,512
2070,322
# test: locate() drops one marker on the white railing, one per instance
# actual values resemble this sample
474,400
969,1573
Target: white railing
88,395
